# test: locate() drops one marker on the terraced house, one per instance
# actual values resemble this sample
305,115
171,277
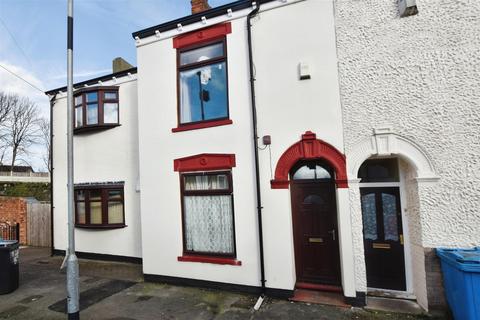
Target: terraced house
279,145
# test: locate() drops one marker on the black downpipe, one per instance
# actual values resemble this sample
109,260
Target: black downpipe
255,143
52,103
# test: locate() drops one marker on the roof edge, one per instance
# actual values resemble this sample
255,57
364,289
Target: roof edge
190,19
94,80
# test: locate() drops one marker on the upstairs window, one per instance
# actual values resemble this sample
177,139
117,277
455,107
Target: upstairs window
99,206
96,108
202,83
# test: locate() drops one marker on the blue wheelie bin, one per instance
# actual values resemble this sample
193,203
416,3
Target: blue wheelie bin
461,277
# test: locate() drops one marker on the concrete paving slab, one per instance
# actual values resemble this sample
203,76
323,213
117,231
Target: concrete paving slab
42,284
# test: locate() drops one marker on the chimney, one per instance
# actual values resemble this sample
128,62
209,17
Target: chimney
119,64
199,6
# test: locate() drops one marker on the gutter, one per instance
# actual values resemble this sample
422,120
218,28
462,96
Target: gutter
52,246
95,81
190,19
255,143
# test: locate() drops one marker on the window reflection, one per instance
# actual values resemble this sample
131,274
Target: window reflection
110,112
201,54
92,114
311,172
203,93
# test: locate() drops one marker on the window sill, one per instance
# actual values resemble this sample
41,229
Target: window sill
202,125
213,260
96,127
101,227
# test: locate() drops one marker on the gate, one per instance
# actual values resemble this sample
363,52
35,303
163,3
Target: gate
38,224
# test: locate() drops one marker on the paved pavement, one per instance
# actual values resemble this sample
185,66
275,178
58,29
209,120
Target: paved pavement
115,291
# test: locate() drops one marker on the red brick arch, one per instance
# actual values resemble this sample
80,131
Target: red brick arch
310,148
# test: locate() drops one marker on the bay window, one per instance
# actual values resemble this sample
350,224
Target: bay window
96,108
99,206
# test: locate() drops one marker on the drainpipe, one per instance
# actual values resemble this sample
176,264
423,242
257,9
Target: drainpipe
252,14
52,103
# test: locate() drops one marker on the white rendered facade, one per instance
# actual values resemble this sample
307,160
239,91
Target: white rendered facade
100,157
338,108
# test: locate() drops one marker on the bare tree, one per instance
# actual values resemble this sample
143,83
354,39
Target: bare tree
22,130
44,125
6,104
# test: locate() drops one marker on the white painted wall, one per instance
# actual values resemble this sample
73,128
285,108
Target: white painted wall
160,188
287,108
103,156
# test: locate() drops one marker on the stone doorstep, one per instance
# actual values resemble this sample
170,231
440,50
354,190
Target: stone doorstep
393,305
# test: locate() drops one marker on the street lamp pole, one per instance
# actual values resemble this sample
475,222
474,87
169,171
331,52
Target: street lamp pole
71,259
200,93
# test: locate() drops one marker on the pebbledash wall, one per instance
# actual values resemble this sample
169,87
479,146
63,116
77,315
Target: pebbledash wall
409,88
100,157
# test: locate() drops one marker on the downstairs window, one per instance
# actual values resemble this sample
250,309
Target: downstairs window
99,206
208,220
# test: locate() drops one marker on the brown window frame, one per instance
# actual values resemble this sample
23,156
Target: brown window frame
228,191
101,91
202,123
104,189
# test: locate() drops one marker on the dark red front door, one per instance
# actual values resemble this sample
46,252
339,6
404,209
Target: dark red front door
317,257
383,238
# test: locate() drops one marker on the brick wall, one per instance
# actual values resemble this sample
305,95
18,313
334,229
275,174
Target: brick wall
14,210
199,6
435,290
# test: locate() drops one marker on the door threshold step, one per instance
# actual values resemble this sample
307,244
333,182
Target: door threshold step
319,297
319,287
393,305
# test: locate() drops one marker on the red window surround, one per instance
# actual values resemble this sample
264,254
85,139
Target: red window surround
199,37
310,148
203,35
214,260
204,162
202,125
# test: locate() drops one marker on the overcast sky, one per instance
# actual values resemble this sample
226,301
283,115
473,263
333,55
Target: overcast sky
33,40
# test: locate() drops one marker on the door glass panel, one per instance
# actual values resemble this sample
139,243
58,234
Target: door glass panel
369,213
379,170
313,199
390,222
311,172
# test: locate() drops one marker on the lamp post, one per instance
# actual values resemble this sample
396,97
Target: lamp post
71,258
200,93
